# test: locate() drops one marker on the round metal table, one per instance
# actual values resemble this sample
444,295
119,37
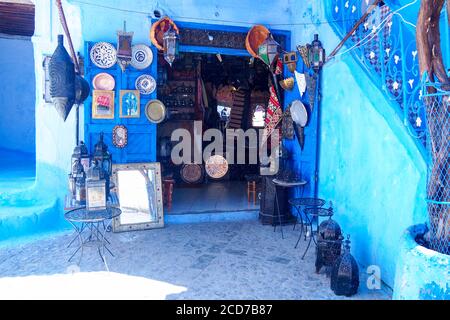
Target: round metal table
284,184
91,227
298,204
310,214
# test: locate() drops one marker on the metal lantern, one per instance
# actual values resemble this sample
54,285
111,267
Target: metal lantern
96,188
170,40
316,54
269,50
79,177
345,273
104,159
329,243
62,79
82,90
80,153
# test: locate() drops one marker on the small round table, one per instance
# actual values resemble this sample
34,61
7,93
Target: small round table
94,223
311,213
284,184
298,204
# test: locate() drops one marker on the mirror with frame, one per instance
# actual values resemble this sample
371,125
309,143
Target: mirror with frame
138,187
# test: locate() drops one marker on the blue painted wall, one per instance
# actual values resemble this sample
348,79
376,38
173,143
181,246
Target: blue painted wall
369,165
17,94
369,168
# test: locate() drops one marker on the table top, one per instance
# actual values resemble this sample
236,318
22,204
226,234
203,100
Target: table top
84,215
321,212
289,183
309,202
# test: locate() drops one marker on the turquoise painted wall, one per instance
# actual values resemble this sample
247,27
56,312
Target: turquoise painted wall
17,94
369,168
369,165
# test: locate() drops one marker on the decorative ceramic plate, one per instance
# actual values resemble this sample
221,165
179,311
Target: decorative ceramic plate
192,173
142,56
120,136
216,166
103,55
104,81
155,111
299,113
146,84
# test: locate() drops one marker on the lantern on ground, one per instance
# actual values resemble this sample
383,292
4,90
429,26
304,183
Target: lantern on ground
345,273
96,190
79,178
269,50
62,79
104,159
316,54
170,40
329,243
80,153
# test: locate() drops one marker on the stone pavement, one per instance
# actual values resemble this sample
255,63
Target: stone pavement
228,260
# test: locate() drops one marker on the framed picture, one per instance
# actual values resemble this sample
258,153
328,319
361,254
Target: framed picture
130,104
102,104
138,187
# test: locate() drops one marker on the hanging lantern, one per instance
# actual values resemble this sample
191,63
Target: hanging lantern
269,50
124,53
82,89
79,177
316,54
62,79
345,273
80,153
170,40
96,189
329,243
104,159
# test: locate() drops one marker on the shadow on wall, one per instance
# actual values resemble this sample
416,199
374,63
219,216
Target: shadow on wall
17,94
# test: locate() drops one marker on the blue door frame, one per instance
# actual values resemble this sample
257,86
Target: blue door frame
142,135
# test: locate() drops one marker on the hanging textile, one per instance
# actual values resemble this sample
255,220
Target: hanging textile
274,114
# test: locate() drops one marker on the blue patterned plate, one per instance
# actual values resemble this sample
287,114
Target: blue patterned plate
146,84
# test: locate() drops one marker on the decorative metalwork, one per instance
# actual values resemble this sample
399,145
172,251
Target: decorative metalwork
329,243
219,39
436,101
385,46
345,273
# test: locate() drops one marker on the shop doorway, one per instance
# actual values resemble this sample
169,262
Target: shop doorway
204,91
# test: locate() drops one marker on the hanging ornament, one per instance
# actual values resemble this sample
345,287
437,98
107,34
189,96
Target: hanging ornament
62,79
124,44
290,59
311,84
304,53
300,117
301,82
82,89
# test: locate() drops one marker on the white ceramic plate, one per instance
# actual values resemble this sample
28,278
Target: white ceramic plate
142,56
146,84
104,81
103,55
299,113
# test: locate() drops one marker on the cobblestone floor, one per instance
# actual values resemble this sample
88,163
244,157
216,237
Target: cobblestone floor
231,260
